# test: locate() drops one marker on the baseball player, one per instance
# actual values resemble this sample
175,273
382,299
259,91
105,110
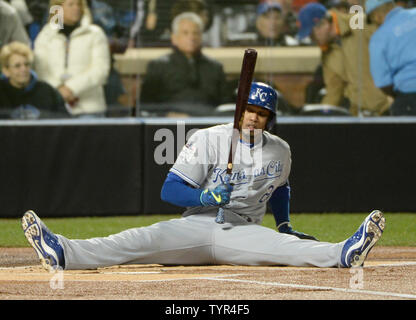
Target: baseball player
197,181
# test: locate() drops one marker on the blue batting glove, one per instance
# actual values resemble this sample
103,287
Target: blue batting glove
217,197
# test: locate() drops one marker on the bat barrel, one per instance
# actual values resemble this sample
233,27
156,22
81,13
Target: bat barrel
246,77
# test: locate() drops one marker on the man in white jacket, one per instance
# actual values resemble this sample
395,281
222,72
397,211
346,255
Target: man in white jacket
74,59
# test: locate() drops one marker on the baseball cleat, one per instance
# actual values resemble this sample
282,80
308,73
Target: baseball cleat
45,243
357,247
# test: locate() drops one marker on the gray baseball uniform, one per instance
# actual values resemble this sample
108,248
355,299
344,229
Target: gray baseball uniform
196,238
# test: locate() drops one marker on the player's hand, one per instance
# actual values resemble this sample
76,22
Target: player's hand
287,228
217,197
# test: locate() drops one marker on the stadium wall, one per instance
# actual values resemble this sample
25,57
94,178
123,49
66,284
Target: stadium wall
107,167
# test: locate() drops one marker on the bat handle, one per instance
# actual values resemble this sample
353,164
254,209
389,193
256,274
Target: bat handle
220,216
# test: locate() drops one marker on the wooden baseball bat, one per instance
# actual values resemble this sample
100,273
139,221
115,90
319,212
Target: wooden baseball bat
244,85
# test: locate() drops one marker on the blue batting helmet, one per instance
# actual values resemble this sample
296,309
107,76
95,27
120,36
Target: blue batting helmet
264,96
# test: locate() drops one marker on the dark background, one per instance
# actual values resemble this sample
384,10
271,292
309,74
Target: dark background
109,169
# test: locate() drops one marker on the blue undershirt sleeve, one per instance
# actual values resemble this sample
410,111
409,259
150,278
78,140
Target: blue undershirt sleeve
279,203
177,191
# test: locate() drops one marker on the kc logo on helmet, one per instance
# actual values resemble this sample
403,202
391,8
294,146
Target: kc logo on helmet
260,94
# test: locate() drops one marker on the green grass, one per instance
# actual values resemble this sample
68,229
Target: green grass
400,227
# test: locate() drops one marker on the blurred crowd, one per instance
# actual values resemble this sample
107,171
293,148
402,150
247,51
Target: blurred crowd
57,55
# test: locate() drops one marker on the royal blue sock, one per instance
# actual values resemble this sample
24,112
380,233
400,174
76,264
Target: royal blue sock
279,203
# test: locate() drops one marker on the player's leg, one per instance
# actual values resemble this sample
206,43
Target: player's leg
177,241
256,245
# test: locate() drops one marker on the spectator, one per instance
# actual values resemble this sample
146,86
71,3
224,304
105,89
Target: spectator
74,59
11,27
186,80
270,26
22,10
237,21
289,16
151,27
39,12
267,29
211,35
345,60
22,95
103,16
393,53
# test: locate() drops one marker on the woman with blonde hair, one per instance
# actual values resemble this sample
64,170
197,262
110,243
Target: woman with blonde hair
73,55
22,95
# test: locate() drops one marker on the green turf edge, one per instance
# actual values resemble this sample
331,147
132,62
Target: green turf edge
331,227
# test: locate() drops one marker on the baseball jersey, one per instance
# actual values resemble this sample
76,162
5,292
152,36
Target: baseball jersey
258,169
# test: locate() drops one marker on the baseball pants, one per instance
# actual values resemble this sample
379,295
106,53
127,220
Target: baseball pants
199,240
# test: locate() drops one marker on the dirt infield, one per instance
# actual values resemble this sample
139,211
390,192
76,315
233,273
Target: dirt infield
389,273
